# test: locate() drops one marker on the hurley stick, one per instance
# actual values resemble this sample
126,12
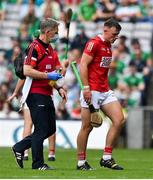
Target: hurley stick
68,16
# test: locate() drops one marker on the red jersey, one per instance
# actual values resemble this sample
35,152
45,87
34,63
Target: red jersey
48,64
98,68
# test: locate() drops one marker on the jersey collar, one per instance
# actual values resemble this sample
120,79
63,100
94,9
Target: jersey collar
103,40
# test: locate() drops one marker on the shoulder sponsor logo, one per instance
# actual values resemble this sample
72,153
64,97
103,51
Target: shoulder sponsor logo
90,46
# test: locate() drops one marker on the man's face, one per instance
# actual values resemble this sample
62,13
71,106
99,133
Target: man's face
111,34
51,33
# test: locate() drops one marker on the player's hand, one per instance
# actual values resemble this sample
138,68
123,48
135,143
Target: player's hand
11,97
54,76
87,95
63,94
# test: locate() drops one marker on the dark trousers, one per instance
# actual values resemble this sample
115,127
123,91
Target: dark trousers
43,117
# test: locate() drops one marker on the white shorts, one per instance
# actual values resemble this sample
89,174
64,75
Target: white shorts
99,98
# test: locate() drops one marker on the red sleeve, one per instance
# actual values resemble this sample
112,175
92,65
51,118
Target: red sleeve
91,47
31,57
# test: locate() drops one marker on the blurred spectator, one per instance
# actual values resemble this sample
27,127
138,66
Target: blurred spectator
75,56
151,42
121,58
37,2
7,111
2,10
121,92
48,12
127,11
105,10
11,73
31,20
14,1
135,85
146,8
53,6
136,49
113,78
16,51
24,6
4,89
3,68
9,52
123,40
76,110
71,2
23,36
6,108
87,11
144,64
80,39
73,89
138,60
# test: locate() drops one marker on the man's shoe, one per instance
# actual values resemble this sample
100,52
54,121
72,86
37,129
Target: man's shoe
18,157
84,167
45,167
110,163
51,158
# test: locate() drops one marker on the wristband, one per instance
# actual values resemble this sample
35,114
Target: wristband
86,87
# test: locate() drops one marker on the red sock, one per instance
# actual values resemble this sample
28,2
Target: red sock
82,156
52,151
108,150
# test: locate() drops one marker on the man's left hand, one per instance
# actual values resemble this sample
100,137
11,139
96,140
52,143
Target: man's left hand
63,93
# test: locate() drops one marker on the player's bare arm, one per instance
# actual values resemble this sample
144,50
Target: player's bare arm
31,72
85,61
18,87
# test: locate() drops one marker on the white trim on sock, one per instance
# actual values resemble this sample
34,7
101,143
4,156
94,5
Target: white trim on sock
107,156
51,155
81,162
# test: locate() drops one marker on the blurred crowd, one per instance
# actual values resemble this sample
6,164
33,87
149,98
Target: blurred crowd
131,68
86,10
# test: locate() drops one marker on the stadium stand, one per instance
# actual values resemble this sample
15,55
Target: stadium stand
10,25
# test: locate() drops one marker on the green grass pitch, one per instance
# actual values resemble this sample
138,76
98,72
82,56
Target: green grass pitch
136,163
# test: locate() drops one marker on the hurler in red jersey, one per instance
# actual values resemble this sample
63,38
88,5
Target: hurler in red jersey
94,67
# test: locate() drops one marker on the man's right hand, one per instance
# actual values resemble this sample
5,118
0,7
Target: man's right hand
87,95
11,97
54,76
